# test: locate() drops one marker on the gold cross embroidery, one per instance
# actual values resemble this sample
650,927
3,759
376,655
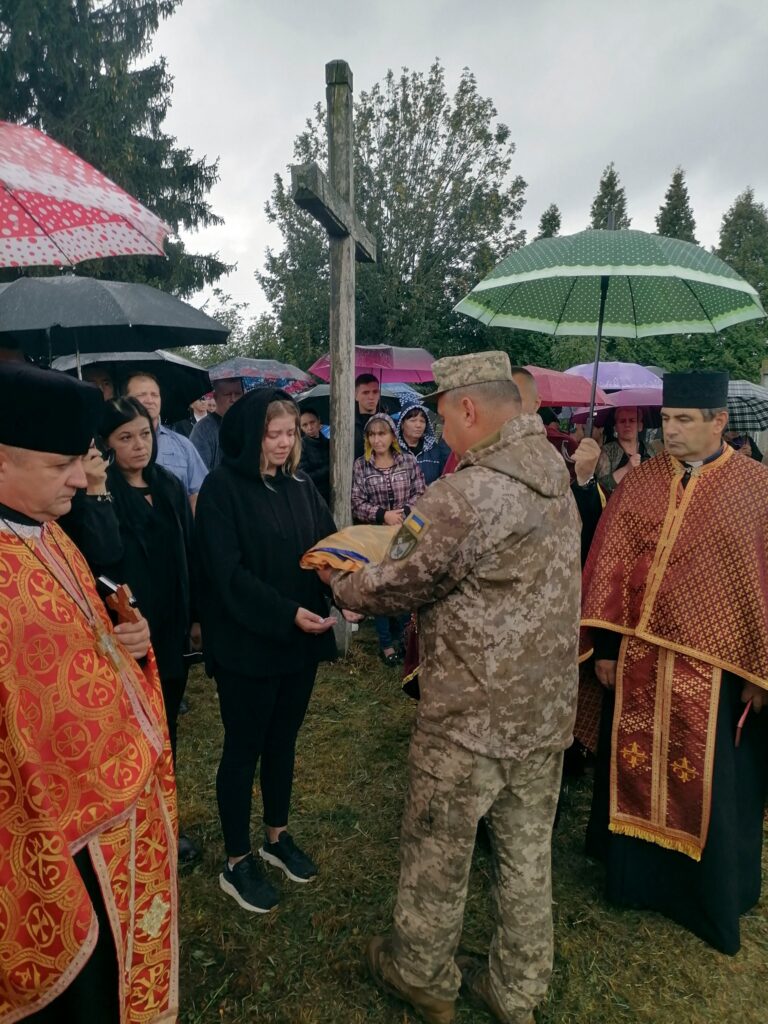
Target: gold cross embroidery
634,755
683,770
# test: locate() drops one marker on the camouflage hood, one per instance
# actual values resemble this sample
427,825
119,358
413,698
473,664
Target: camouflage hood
521,451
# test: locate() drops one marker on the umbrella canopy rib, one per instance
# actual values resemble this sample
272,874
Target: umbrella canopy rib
701,305
564,307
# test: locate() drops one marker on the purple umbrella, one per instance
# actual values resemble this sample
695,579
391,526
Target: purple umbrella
617,376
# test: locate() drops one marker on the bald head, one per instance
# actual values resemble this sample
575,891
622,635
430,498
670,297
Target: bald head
526,385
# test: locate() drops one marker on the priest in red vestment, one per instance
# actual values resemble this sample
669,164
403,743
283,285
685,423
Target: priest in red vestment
675,601
88,901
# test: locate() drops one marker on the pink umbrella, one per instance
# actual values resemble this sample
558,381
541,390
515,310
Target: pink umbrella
57,210
387,363
556,388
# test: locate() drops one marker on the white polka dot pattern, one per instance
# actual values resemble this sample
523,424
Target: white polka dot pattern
55,209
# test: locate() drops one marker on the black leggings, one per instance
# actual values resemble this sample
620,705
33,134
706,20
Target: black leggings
173,691
261,717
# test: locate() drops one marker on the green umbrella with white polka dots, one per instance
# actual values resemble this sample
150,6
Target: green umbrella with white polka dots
624,284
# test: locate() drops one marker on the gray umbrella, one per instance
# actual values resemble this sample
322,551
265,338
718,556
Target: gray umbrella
747,407
181,381
51,316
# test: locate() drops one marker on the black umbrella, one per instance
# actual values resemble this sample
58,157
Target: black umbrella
181,381
50,316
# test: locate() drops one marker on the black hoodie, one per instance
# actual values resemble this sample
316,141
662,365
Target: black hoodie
250,534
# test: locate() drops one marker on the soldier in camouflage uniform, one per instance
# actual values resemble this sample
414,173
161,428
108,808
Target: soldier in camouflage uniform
490,557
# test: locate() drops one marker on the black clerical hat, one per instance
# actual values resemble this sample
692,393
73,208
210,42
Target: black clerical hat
47,411
695,389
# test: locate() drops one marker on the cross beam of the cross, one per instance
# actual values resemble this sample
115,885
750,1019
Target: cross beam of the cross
313,192
330,200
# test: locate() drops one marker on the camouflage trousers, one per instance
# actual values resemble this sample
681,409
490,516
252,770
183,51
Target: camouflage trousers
449,790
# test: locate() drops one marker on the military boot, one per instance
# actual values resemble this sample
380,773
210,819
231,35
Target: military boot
387,977
476,982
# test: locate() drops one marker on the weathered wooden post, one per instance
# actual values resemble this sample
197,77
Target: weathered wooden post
331,201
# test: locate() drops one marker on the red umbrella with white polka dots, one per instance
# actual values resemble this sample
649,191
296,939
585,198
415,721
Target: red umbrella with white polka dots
57,210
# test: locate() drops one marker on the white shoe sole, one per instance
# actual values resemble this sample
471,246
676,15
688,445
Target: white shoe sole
230,890
270,858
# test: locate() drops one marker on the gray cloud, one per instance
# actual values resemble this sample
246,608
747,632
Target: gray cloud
650,86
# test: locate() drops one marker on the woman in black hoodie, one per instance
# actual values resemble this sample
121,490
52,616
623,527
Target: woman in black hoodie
265,627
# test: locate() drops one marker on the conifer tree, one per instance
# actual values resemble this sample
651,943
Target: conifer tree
610,198
675,217
744,240
549,224
77,70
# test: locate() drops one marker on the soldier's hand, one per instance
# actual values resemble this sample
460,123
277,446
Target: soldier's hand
605,670
134,636
585,459
325,575
352,616
95,468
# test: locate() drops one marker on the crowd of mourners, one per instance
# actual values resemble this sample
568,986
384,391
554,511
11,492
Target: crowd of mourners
495,505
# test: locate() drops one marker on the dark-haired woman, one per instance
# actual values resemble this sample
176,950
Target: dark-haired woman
156,535
265,628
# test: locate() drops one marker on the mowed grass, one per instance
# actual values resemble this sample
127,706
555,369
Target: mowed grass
303,963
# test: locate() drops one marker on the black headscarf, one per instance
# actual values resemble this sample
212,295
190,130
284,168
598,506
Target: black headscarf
242,430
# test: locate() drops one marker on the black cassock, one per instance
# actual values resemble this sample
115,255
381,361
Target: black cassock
706,897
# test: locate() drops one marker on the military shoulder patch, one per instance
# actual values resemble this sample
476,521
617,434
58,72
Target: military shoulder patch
407,537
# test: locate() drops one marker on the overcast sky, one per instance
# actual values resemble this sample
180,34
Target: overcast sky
650,84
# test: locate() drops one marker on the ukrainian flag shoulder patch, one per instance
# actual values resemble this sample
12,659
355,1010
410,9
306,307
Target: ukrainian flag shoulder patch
416,523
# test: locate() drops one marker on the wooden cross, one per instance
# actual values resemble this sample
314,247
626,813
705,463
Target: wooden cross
331,200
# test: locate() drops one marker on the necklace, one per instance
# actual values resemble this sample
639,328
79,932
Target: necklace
66,577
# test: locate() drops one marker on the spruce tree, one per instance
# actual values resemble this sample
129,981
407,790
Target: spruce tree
610,198
675,217
744,240
549,224
77,70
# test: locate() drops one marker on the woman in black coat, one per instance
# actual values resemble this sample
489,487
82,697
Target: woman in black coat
153,558
154,553
265,627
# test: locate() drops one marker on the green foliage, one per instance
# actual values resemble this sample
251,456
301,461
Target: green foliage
675,217
549,224
744,241
433,184
744,245
78,70
610,199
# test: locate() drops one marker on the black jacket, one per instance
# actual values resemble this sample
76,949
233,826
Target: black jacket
250,534
154,559
316,463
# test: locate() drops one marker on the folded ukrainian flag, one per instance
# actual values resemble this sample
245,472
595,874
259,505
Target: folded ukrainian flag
350,549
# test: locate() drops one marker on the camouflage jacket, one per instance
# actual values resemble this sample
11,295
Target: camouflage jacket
490,558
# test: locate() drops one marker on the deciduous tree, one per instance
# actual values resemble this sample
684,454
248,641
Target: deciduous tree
435,185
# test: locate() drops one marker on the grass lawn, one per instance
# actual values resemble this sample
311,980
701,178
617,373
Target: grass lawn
303,963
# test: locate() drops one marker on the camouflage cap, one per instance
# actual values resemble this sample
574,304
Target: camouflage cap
475,368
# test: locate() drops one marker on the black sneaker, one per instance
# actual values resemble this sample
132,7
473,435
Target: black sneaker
286,855
246,884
